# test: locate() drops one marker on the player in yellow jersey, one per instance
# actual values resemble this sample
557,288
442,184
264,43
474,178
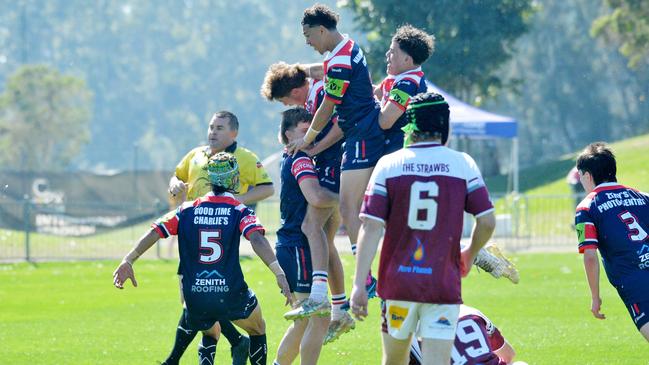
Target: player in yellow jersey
191,181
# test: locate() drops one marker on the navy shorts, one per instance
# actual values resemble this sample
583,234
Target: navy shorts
239,306
328,174
296,263
393,141
639,312
364,144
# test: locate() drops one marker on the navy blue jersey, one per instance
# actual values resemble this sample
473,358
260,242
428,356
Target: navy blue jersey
292,204
209,231
348,84
615,220
399,90
314,99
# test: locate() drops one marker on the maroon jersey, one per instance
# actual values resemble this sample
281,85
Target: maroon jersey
421,193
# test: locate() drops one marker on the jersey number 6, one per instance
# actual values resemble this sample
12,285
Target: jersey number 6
210,249
422,213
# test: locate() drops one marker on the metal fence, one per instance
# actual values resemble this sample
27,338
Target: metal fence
524,223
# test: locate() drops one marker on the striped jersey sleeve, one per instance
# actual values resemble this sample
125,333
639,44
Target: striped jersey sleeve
167,225
402,91
249,222
585,226
376,204
478,202
338,73
303,168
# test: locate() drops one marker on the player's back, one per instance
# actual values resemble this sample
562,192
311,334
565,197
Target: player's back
475,339
426,188
615,219
209,231
348,83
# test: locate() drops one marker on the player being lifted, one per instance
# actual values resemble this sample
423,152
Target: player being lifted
299,188
410,47
419,194
614,219
213,285
348,89
290,85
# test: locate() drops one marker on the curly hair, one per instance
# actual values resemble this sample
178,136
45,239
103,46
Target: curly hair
320,14
415,42
280,79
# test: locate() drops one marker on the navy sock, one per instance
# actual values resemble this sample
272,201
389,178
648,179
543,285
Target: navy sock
231,333
206,350
258,350
184,337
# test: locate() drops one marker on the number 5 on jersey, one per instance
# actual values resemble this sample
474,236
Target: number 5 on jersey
210,250
422,213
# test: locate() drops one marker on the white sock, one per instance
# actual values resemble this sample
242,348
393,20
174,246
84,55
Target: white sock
319,285
337,301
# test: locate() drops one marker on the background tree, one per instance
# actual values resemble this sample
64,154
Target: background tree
626,24
44,119
473,38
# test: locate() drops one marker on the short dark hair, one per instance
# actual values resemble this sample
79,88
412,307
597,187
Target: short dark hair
232,119
280,79
320,14
598,160
430,113
415,42
290,119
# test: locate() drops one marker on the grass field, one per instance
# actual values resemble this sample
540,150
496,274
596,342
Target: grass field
69,313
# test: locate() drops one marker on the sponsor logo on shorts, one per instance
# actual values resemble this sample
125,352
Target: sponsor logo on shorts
397,315
443,321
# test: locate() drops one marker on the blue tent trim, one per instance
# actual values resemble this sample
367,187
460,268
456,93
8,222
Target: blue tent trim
469,121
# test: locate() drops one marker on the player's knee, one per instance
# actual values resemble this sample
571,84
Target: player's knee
258,328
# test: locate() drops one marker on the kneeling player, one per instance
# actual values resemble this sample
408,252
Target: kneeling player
299,188
477,342
213,285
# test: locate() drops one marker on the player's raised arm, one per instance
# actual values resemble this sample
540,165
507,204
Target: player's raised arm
125,269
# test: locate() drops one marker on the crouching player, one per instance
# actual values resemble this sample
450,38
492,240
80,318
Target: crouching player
299,188
213,285
477,342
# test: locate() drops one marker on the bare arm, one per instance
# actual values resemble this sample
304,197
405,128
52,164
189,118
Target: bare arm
314,70
506,352
482,231
368,242
316,195
591,264
390,112
320,119
256,193
334,135
125,269
262,248
177,186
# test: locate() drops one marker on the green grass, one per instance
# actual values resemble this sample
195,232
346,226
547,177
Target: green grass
69,313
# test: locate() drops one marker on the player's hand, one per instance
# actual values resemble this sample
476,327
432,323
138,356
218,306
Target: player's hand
124,271
178,187
286,289
466,261
295,145
358,302
595,307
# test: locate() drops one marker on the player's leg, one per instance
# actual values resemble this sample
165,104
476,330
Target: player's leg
312,340
437,324
396,351
640,314
184,335
645,331
207,346
436,352
255,326
313,229
289,346
341,320
298,265
239,344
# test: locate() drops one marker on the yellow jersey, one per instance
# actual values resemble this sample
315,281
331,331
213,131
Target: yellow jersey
191,170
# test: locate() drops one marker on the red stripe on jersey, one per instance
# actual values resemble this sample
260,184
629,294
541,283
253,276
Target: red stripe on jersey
217,199
402,107
583,248
159,231
302,165
305,176
335,101
254,229
590,232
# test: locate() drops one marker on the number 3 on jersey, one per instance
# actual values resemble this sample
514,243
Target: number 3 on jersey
422,213
211,250
636,233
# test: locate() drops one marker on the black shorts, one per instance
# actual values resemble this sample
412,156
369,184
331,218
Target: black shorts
240,306
328,174
296,263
